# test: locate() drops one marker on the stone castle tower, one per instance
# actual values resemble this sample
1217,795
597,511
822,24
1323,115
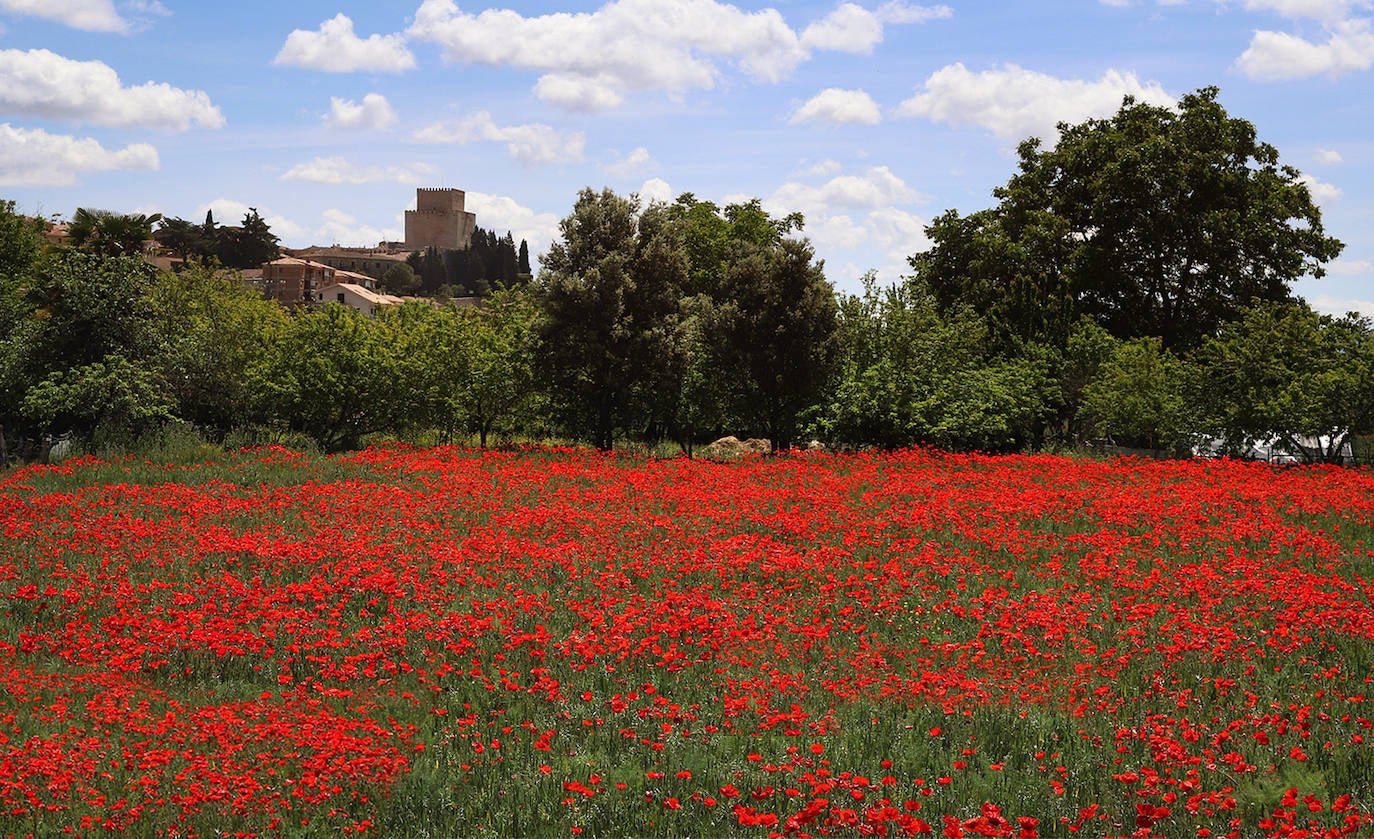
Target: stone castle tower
439,220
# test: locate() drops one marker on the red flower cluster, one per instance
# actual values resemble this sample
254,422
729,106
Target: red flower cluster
563,641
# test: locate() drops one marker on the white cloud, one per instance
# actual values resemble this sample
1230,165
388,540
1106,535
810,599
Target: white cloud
1340,306
655,189
1329,156
44,84
632,162
839,106
531,143
340,228
820,170
1274,56
1015,103
230,212
1324,10
500,213
33,157
836,232
1321,191
374,113
899,233
90,15
590,59
852,28
335,48
876,188
895,11
337,170
849,28
1351,267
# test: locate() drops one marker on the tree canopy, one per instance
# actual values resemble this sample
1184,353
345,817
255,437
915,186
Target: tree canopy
1155,222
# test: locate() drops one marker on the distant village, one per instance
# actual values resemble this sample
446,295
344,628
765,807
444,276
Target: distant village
352,276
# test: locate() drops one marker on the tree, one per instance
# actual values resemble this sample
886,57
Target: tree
499,345
209,332
331,375
1155,222
111,234
609,291
714,237
777,320
522,263
183,238
910,375
1140,398
1287,374
21,241
250,245
400,279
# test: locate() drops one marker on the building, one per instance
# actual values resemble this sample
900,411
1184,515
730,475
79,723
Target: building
294,282
439,220
355,296
371,261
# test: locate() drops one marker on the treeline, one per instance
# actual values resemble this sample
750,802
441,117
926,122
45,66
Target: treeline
1131,286
489,263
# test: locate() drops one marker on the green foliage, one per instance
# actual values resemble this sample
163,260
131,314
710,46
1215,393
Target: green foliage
21,240
210,329
1285,372
1139,398
777,321
331,376
111,234
911,376
1155,222
400,279
609,292
250,245
114,393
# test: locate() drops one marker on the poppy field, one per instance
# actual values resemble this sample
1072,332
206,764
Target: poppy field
556,642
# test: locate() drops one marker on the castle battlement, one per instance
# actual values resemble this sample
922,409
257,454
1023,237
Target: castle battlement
440,219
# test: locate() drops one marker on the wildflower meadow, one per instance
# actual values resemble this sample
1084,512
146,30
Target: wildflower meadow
556,642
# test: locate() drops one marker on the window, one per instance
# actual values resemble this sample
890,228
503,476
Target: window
341,297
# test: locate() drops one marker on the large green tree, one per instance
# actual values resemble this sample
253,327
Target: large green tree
1157,221
609,290
777,321
1288,374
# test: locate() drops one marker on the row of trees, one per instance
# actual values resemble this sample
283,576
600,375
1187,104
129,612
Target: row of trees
488,263
1131,285
247,245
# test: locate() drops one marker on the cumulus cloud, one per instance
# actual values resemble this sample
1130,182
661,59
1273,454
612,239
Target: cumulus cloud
1340,306
44,84
1324,10
655,189
1015,103
337,170
632,162
589,60
1350,267
823,168
374,113
341,228
849,28
33,157
1321,192
498,212
530,143
838,106
1329,156
335,48
876,188
90,15
1276,56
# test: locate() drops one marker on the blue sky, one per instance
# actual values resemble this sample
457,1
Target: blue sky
869,117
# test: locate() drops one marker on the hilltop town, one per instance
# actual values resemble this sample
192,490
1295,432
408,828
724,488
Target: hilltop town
434,260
